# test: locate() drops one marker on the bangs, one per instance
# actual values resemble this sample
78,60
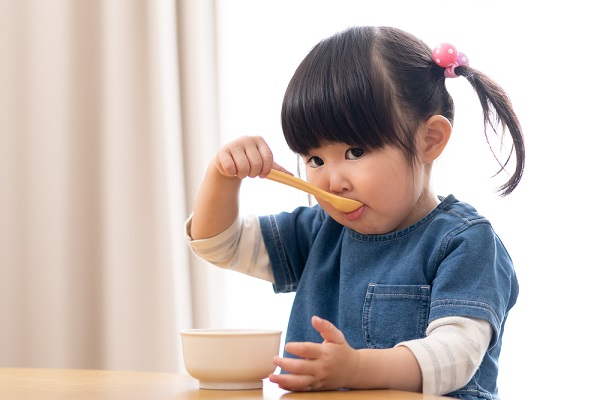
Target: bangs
332,97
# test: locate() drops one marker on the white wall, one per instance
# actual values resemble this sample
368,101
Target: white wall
543,54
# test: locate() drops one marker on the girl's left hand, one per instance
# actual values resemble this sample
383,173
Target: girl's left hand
322,366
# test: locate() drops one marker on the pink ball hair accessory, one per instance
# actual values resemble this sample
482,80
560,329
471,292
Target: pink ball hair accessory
446,56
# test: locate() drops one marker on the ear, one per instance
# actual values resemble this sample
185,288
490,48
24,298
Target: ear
434,136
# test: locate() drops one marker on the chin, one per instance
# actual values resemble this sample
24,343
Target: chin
357,225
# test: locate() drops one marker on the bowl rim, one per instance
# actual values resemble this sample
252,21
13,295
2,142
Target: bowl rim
229,332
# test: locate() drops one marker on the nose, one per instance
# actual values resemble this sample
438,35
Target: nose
338,181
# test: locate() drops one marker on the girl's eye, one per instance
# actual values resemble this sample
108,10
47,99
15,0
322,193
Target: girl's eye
314,162
354,154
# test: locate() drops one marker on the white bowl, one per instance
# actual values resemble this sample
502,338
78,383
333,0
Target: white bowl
230,359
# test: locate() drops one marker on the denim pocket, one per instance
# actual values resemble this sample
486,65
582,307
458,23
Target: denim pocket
394,313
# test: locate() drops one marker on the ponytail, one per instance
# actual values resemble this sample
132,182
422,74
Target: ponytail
498,111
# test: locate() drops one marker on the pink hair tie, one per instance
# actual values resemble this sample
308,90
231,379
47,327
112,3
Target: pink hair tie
446,56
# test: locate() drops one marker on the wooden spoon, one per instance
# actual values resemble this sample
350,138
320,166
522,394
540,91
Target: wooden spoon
341,203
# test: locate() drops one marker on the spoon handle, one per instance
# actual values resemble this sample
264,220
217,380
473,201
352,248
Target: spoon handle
297,183
341,203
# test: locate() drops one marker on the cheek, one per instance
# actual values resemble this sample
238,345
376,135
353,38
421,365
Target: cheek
386,186
314,179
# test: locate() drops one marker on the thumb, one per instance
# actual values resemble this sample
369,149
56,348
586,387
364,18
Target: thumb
328,331
280,168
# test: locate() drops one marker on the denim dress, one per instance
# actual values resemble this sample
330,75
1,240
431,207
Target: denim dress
383,289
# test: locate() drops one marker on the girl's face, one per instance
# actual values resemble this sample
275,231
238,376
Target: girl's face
394,195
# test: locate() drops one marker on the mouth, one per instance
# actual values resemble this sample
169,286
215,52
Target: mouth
356,214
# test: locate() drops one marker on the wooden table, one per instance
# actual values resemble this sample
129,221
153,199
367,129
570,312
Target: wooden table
65,384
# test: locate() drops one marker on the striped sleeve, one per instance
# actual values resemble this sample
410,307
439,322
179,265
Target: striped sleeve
451,352
239,248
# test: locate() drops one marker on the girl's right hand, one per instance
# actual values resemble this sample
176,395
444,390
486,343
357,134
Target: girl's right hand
217,201
247,156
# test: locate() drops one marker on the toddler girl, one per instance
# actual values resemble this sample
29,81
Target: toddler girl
411,291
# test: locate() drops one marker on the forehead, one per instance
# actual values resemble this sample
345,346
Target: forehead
329,147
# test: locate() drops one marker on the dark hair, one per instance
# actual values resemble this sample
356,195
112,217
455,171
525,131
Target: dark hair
374,86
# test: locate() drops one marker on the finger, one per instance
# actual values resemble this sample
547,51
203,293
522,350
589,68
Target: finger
294,365
231,160
307,350
266,156
328,331
225,163
282,169
242,163
256,164
295,383
244,157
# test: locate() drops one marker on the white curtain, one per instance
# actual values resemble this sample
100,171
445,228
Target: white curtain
94,272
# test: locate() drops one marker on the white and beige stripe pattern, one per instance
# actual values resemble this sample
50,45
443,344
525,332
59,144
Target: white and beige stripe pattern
239,248
451,352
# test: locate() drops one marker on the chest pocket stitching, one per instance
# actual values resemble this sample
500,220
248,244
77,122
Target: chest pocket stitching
419,293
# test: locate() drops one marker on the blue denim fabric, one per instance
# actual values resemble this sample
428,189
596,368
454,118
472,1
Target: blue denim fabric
380,290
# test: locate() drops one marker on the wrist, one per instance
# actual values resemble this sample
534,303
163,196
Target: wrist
354,373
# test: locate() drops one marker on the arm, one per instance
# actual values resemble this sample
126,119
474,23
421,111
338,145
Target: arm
451,353
217,206
442,362
333,364
239,248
